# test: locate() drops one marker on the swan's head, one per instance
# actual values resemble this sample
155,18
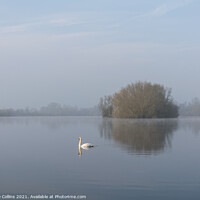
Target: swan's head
79,138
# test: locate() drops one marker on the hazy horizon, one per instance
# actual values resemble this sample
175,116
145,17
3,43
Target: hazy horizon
74,52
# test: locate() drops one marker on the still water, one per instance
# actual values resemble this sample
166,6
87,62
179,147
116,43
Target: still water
132,159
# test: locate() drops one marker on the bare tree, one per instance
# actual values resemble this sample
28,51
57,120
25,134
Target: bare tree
105,105
191,109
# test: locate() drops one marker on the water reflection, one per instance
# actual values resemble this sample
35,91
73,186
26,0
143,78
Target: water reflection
140,136
79,152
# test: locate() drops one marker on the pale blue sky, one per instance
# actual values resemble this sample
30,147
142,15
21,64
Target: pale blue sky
74,52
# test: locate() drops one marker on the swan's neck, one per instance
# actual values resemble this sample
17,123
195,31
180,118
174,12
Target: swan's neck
80,143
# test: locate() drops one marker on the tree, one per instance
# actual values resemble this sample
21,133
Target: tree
105,105
142,100
191,109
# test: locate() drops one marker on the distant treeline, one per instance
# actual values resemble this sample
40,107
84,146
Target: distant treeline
140,100
52,109
190,109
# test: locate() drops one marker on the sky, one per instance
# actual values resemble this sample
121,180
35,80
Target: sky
75,51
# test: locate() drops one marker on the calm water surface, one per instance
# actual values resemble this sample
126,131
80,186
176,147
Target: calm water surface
132,159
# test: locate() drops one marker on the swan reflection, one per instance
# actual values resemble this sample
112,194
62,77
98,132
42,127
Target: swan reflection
79,152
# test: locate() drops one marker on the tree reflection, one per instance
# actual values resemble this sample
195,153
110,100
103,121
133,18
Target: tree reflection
140,136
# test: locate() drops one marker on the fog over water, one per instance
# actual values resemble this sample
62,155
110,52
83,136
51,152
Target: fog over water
74,52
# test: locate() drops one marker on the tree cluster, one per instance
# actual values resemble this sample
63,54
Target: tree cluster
190,109
52,109
140,100
105,105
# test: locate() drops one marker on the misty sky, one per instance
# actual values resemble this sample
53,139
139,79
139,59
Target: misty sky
76,51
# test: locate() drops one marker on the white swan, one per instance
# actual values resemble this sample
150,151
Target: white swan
84,146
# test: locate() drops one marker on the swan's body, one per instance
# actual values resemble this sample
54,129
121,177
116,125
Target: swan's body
84,146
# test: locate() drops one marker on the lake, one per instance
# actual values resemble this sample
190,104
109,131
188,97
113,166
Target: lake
132,159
